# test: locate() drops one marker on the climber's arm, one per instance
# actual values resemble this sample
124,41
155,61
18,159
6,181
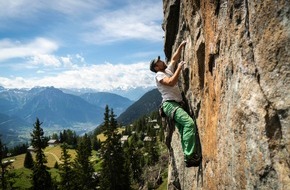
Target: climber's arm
177,53
171,81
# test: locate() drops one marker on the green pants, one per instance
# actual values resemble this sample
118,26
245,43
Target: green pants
185,125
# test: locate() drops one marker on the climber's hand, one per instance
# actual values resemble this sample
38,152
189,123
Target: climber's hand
183,43
180,65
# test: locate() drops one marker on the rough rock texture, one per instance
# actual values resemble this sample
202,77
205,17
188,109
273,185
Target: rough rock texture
237,82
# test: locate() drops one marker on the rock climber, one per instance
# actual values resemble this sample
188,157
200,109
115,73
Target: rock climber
167,83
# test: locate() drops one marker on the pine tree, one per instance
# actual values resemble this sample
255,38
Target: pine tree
68,136
82,167
161,135
134,157
28,160
114,175
54,136
96,143
7,176
19,149
3,166
65,170
41,177
153,153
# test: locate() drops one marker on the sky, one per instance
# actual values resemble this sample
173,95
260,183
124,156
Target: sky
97,44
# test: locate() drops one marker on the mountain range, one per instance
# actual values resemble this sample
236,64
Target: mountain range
59,110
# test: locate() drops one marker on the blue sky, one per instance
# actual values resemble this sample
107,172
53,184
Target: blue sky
98,44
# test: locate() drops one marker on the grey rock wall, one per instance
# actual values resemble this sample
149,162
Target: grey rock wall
237,82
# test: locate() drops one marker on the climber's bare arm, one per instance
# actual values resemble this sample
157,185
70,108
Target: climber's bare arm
177,53
171,81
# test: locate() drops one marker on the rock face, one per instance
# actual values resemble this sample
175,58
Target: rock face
237,81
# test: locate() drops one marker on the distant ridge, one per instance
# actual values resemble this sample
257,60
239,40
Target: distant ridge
12,130
101,99
54,107
148,103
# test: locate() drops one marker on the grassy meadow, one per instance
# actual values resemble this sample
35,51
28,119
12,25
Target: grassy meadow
53,155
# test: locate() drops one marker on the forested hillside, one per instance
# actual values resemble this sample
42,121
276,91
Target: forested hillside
148,103
123,159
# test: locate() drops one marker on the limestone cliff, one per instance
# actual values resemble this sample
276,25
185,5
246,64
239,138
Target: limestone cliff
237,82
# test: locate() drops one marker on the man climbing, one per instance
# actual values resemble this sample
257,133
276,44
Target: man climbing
167,83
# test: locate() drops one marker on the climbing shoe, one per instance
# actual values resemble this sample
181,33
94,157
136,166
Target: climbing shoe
193,161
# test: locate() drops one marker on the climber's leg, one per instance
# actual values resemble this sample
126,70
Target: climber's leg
188,133
185,125
169,109
180,130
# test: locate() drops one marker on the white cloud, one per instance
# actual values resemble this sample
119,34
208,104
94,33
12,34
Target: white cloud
41,61
38,53
136,21
76,7
28,9
46,60
15,49
54,62
16,8
104,77
96,21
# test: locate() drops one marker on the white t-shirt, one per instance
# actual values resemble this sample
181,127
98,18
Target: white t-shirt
168,92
